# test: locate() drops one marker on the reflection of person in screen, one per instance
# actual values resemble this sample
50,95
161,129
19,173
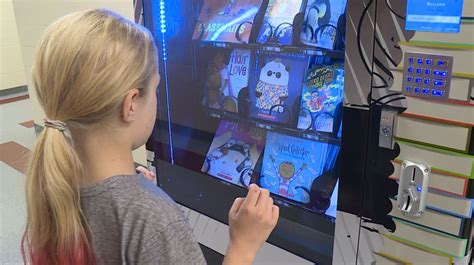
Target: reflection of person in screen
286,174
226,85
228,8
86,204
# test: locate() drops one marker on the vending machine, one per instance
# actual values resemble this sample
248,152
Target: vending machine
296,96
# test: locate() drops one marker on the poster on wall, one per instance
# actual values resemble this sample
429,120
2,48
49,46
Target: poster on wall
434,15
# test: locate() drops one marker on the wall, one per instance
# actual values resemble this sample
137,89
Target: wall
32,19
12,73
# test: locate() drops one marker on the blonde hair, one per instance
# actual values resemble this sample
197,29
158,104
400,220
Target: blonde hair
85,64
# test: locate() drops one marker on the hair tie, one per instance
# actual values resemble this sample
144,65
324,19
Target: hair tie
55,124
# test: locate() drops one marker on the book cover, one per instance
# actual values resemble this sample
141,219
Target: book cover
220,20
292,166
322,95
277,23
227,74
275,84
234,152
321,22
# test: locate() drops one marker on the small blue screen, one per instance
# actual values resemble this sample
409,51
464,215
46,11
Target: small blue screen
434,15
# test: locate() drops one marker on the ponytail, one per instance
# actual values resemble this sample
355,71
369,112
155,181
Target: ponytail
84,65
59,233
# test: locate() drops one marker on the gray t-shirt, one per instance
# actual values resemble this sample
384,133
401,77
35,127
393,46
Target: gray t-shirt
132,221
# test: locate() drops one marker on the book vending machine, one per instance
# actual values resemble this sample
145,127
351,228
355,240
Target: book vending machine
296,96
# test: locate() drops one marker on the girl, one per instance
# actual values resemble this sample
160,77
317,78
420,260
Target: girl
95,76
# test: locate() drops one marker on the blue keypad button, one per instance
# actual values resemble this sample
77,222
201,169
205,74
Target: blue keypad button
443,73
419,60
427,71
417,90
438,82
426,81
437,93
410,69
418,71
442,63
418,80
429,61
408,88
409,79
426,90
411,60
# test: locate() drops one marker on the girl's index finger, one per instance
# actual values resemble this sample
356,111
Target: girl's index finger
252,196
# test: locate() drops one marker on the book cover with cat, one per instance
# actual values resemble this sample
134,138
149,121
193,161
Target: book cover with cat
275,84
322,96
291,166
277,23
227,74
234,152
321,22
219,20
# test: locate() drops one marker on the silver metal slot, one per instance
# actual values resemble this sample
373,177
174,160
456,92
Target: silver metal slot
413,188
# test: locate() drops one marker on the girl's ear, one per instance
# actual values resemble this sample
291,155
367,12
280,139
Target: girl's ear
129,105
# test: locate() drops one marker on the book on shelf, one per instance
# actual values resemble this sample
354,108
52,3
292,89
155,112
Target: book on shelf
234,151
411,254
458,186
275,85
300,170
450,204
227,75
443,135
277,23
443,161
446,223
429,239
321,99
220,20
321,22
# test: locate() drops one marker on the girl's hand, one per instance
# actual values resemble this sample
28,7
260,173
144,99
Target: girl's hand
148,173
251,220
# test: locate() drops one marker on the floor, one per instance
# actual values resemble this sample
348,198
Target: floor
17,137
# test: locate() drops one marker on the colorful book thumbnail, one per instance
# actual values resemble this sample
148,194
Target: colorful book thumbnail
220,20
234,152
275,85
321,100
277,23
297,169
227,74
320,26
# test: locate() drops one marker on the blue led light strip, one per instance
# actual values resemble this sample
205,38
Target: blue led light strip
165,65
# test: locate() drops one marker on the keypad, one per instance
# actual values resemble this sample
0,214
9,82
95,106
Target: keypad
427,75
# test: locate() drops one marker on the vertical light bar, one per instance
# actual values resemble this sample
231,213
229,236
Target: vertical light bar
165,68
